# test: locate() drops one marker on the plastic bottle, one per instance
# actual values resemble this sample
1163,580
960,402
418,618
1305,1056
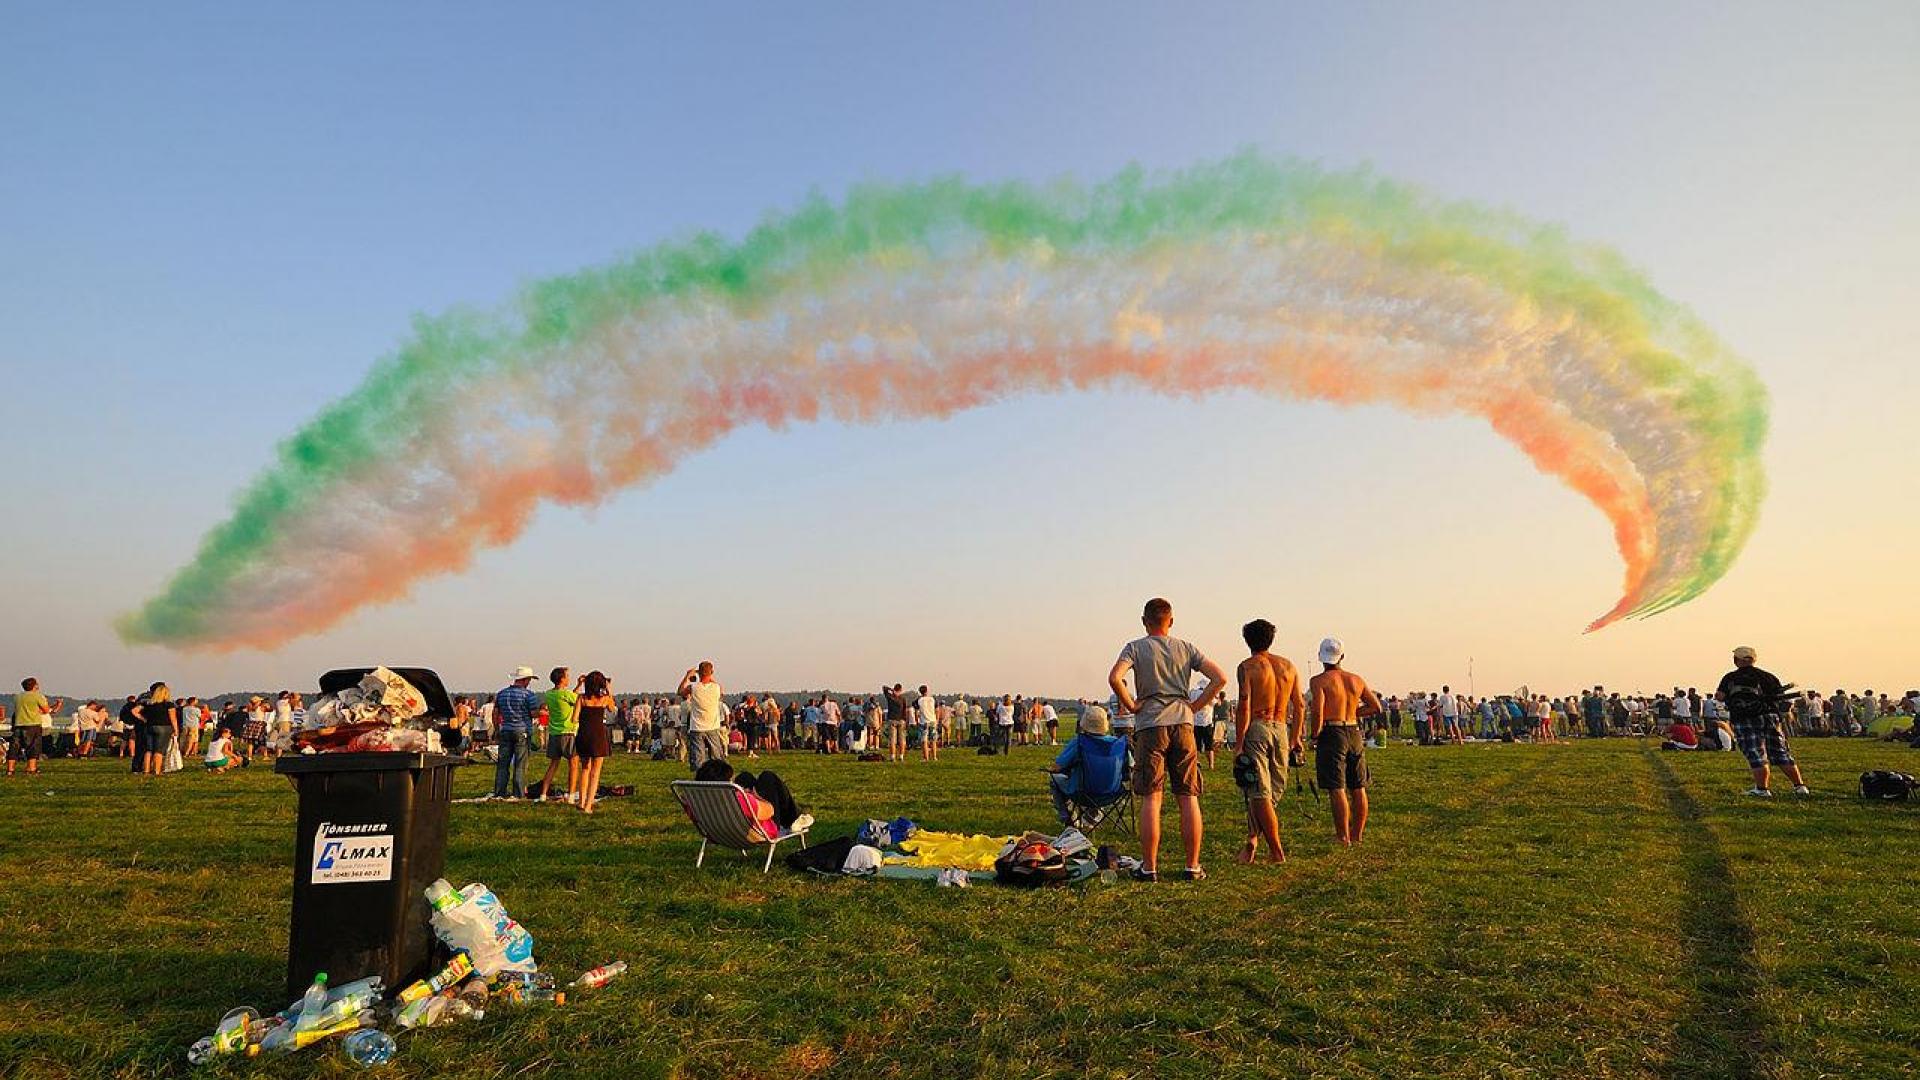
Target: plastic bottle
422,1013
457,968
288,1038
474,993
600,976
520,987
369,1047
313,1004
358,997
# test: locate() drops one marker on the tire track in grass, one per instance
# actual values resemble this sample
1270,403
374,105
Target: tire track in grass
1729,1028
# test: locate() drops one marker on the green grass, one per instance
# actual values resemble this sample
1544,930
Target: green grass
1592,910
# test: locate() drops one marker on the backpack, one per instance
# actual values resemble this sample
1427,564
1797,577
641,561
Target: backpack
1031,863
1886,785
825,858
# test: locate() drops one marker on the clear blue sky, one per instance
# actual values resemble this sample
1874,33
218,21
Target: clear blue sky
214,218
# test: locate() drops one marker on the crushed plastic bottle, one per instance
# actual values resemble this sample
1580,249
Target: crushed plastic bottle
600,976
474,993
369,1047
521,987
422,1013
287,1038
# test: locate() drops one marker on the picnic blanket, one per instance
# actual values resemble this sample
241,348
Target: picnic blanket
926,848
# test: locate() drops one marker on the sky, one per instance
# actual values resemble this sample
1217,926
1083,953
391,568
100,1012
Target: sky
214,221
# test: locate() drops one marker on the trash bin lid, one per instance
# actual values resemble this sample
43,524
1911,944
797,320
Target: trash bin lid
425,680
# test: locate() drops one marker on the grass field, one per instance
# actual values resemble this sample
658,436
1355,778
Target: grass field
1591,910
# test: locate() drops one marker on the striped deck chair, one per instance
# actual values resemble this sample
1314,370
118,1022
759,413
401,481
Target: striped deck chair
723,813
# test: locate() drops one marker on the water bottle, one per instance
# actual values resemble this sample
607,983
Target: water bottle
369,1047
313,1004
601,976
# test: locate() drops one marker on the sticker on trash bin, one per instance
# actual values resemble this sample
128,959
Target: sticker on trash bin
350,854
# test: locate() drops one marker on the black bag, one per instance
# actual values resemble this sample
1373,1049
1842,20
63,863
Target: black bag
1886,785
825,858
986,750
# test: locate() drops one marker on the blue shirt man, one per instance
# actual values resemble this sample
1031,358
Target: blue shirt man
513,710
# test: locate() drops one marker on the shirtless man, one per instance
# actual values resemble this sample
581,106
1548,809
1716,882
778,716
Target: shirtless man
1266,727
1340,700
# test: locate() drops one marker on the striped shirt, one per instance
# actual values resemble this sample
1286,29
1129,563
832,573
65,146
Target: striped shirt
514,708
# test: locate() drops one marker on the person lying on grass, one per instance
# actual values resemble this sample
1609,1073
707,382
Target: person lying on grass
773,802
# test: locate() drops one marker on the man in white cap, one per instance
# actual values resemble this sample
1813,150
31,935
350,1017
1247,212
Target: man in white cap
1163,748
513,709
1339,700
1754,699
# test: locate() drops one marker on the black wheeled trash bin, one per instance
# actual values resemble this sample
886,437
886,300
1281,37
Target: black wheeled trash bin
372,835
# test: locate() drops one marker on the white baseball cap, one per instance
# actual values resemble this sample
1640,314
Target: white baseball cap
523,672
1331,651
1745,652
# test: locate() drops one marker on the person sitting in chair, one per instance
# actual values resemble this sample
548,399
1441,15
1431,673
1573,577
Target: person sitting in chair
1091,767
773,802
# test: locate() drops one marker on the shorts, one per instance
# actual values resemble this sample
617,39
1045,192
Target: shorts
1762,741
159,737
1340,759
26,742
559,747
1203,738
1165,757
1263,773
221,764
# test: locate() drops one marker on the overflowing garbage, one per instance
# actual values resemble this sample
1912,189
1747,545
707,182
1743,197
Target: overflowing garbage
492,962
382,710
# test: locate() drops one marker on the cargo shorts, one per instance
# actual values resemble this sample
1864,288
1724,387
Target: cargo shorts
1263,773
1166,757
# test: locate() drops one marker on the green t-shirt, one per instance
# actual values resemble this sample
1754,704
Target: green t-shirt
563,705
30,709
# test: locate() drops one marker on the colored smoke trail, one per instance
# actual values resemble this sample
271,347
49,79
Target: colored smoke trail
923,300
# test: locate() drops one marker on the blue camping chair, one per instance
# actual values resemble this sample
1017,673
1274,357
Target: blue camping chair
1104,793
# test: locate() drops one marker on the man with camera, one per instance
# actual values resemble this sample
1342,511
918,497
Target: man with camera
1755,699
706,713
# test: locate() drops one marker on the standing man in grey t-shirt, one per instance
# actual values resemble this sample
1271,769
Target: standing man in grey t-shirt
1163,748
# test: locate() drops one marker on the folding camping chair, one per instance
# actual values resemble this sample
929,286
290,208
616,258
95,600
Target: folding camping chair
1090,810
722,811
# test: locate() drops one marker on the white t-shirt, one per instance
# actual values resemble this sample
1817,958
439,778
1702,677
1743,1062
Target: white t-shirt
707,709
831,711
1682,707
219,749
1003,714
1202,718
927,707
1449,707
1049,714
